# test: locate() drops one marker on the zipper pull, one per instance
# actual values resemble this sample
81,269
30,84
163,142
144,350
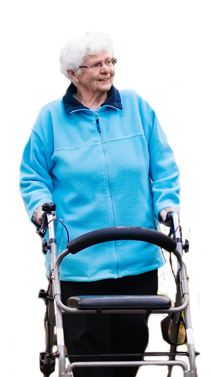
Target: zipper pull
98,125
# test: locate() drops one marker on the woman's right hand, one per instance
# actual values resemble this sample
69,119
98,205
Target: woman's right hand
38,216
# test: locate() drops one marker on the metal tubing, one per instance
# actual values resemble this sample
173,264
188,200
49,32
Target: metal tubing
175,329
57,312
49,324
64,308
176,225
173,348
125,364
183,281
190,340
123,311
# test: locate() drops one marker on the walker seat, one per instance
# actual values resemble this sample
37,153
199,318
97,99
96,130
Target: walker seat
119,302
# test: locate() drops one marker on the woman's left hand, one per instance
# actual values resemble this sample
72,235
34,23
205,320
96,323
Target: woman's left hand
163,215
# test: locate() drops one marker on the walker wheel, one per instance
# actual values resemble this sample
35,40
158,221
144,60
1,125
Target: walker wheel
47,363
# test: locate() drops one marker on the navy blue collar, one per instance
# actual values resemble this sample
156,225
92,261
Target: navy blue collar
72,104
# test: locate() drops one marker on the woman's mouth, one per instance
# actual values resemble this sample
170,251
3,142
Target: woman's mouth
104,79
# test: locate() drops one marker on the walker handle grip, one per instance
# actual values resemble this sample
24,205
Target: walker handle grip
121,233
49,207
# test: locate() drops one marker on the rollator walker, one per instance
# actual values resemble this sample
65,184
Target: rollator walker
176,326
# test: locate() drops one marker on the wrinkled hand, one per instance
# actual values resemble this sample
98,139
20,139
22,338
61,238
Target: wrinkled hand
163,215
37,216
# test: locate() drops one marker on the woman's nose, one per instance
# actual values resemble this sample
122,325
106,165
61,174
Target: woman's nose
104,68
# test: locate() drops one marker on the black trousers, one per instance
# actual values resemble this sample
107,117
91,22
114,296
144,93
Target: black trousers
93,334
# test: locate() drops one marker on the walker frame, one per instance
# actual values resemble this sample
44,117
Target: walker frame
55,308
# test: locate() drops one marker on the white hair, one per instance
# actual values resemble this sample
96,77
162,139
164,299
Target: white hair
73,53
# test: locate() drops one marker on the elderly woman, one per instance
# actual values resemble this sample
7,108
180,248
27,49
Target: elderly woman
101,155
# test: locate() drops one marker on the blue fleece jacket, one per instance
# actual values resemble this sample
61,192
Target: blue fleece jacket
114,168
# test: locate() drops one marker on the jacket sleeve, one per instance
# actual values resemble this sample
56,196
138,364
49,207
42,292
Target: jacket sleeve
164,172
35,174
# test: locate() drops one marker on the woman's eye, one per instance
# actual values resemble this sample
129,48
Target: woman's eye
96,65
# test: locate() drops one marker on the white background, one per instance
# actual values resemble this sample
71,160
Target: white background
163,51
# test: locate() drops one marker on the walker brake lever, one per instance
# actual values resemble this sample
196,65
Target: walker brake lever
169,222
43,228
47,208
169,218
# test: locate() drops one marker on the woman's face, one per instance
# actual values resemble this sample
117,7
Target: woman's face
99,80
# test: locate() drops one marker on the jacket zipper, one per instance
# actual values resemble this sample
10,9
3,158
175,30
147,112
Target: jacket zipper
98,126
109,187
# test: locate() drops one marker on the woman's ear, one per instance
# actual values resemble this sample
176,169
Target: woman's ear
73,76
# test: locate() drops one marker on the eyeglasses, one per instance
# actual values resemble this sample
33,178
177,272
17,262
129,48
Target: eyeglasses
96,66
